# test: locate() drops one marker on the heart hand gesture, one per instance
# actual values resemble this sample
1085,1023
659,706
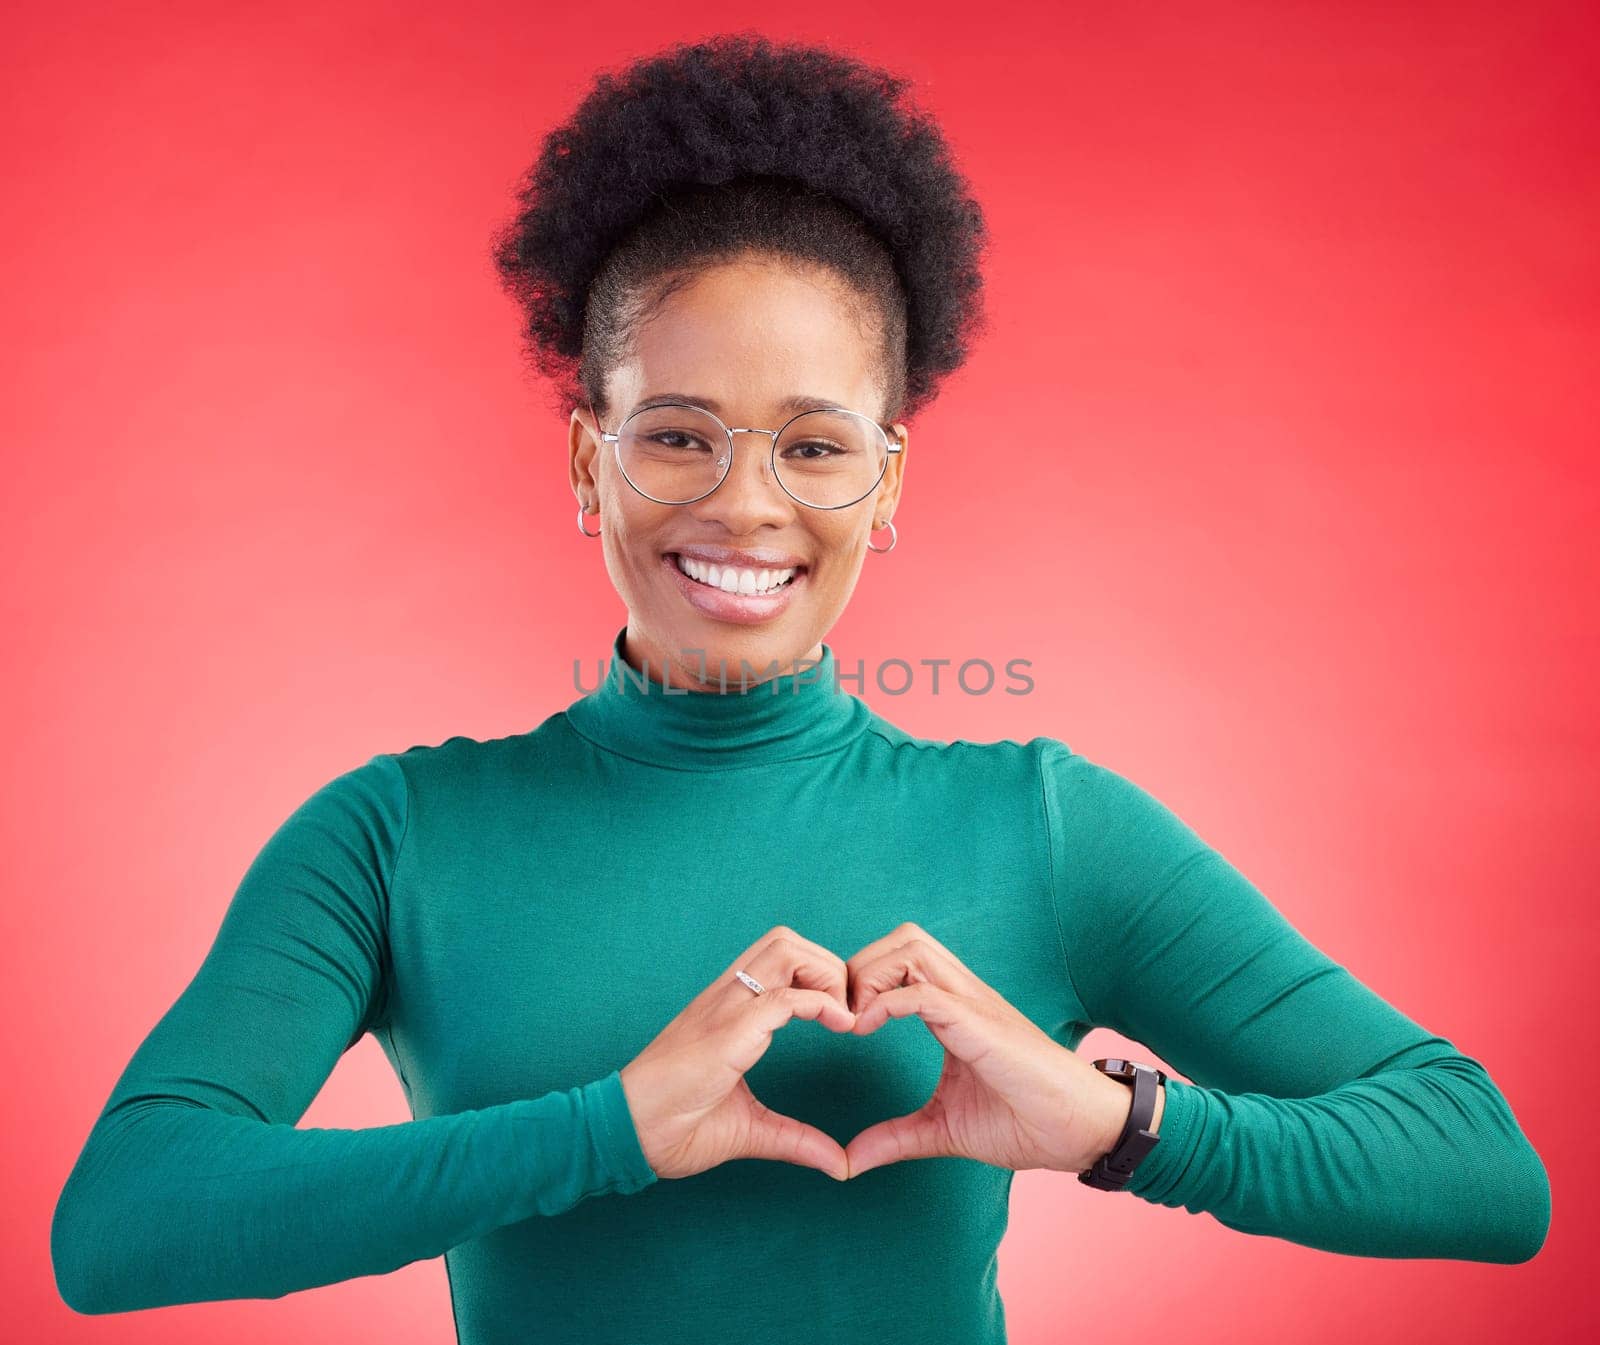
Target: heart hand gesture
1008,1094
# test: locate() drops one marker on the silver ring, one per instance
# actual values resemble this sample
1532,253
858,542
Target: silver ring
751,982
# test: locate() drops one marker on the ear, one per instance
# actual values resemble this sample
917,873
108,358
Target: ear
888,496
583,455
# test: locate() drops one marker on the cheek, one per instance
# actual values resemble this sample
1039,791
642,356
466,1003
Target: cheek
840,555
632,545
627,560
637,565
835,540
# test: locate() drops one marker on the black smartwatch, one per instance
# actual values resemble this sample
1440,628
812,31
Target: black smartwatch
1112,1170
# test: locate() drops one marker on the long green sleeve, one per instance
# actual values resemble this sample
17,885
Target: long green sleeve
1318,1112
195,1183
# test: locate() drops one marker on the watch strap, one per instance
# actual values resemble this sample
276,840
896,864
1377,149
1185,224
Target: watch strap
1112,1170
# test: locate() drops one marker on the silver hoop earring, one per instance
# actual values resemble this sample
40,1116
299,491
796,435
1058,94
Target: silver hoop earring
583,529
893,538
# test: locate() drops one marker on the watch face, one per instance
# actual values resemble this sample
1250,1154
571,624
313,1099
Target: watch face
1118,1068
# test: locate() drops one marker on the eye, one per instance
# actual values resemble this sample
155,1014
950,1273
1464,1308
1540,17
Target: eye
821,447
680,439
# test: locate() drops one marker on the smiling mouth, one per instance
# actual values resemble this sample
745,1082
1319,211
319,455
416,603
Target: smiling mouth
744,581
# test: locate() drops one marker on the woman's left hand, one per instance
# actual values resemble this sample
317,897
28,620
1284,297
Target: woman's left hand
1009,1094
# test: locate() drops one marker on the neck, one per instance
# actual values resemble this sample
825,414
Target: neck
695,671
724,721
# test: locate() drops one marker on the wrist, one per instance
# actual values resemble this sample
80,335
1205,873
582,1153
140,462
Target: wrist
1119,1098
1116,1101
1138,1116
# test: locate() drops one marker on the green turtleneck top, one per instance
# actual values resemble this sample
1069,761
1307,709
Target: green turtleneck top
515,919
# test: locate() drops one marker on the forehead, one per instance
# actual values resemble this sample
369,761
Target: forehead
750,335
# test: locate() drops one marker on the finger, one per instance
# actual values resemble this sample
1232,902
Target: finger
776,1008
817,961
763,1015
783,957
893,939
786,1140
907,929
903,964
969,1030
906,932
914,960
918,1135
937,1007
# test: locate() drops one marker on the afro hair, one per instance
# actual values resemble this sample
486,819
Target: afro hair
737,143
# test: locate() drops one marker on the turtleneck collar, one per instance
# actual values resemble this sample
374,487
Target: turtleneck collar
802,713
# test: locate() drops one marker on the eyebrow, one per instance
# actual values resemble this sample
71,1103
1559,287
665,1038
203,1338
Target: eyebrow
797,403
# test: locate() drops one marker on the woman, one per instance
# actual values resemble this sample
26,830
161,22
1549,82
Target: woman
747,265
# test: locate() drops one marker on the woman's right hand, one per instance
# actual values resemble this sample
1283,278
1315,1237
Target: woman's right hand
691,1105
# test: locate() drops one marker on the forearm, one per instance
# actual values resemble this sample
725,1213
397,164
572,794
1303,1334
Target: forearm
1419,1162
180,1204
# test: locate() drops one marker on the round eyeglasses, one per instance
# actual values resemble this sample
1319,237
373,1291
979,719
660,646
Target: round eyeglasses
827,458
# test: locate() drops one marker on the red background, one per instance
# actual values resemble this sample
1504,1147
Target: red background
1278,462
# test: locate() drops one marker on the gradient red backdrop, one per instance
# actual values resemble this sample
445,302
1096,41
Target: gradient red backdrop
1278,461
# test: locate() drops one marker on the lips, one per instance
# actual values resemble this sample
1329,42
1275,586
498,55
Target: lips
739,608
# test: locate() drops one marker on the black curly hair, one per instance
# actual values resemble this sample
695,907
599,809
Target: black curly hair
730,144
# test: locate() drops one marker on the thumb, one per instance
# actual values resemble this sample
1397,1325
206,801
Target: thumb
915,1135
786,1140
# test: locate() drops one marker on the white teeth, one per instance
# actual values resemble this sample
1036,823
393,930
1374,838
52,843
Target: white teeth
732,580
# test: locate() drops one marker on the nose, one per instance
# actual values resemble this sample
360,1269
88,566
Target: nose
748,495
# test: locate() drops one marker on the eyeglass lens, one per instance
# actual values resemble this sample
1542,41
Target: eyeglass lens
677,454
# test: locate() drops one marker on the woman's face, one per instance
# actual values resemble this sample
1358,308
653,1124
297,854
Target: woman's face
740,339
